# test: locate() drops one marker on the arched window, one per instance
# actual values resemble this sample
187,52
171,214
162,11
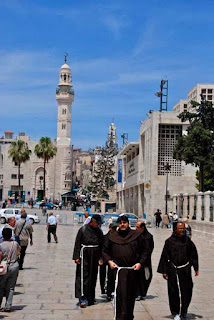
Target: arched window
63,126
63,111
64,77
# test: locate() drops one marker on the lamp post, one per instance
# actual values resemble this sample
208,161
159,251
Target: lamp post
167,168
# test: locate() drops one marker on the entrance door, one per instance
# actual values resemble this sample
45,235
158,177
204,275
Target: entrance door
40,195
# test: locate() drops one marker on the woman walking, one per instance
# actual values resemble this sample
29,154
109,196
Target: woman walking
10,251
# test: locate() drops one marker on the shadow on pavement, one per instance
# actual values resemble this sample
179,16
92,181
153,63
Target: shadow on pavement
20,307
193,316
150,297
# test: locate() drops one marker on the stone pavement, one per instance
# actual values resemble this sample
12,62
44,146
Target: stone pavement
45,288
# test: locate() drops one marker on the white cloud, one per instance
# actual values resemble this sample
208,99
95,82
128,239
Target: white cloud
115,23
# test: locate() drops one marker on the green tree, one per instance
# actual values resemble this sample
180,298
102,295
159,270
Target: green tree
19,153
45,150
197,147
103,179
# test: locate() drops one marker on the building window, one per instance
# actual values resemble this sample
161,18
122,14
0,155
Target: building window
203,91
168,135
13,176
1,176
63,126
209,97
64,77
21,176
63,111
210,91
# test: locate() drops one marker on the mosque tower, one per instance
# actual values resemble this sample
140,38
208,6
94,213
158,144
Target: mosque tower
64,97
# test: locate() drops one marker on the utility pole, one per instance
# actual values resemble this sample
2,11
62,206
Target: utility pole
167,168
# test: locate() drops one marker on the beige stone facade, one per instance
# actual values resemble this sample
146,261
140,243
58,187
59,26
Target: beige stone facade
207,90
143,186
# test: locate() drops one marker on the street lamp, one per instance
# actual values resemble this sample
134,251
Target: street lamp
167,168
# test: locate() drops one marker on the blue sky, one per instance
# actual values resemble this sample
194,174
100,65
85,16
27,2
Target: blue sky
118,52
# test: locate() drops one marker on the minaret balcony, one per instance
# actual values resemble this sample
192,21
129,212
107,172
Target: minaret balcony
64,91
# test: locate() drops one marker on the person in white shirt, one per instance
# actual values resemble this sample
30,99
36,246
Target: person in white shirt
10,225
87,218
51,227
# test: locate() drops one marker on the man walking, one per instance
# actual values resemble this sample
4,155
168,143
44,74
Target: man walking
125,252
51,227
145,273
178,256
11,225
24,231
158,218
87,256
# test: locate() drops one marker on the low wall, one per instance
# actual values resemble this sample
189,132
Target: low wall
202,230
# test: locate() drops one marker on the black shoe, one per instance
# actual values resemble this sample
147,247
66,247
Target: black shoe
20,268
103,291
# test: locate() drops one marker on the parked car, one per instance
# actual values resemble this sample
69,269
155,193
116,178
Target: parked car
49,205
10,212
131,216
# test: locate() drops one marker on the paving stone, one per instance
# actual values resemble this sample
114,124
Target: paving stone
45,288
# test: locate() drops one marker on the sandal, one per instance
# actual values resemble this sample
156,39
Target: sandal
7,309
95,302
83,304
138,298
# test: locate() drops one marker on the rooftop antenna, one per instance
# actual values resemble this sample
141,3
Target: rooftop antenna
163,95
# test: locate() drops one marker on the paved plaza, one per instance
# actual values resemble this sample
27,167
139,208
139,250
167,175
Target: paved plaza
45,288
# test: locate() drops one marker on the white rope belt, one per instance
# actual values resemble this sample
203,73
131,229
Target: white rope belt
116,284
81,262
179,267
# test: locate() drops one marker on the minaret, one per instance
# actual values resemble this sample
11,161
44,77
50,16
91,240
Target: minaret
64,97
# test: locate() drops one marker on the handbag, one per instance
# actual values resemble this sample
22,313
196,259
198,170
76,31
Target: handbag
17,238
4,264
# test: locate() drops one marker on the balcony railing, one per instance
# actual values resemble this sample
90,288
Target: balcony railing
64,91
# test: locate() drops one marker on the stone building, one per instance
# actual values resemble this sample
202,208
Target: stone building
58,170
207,90
141,177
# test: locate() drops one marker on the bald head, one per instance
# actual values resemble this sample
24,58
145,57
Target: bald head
180,229
140,226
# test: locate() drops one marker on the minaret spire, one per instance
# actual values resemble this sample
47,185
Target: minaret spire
66,54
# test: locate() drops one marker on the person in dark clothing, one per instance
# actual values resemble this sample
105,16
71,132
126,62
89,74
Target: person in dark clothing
178,256
125,248
87,253
109,288
145,272
158,218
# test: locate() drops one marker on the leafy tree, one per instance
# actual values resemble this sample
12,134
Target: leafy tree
19,153
197,147
45,150
103,179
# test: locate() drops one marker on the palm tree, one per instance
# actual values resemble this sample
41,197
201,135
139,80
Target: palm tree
46,150
19,153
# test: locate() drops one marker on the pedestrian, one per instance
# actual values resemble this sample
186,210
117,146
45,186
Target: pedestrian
158,218
11,225
60,205
145,273
23,231
170,219
51,227
165,221
106,273
188,228
44,211
87,256
10,251
175,220
125,251
178,256
87,218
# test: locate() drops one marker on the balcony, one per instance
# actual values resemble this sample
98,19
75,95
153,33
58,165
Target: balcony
64,91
